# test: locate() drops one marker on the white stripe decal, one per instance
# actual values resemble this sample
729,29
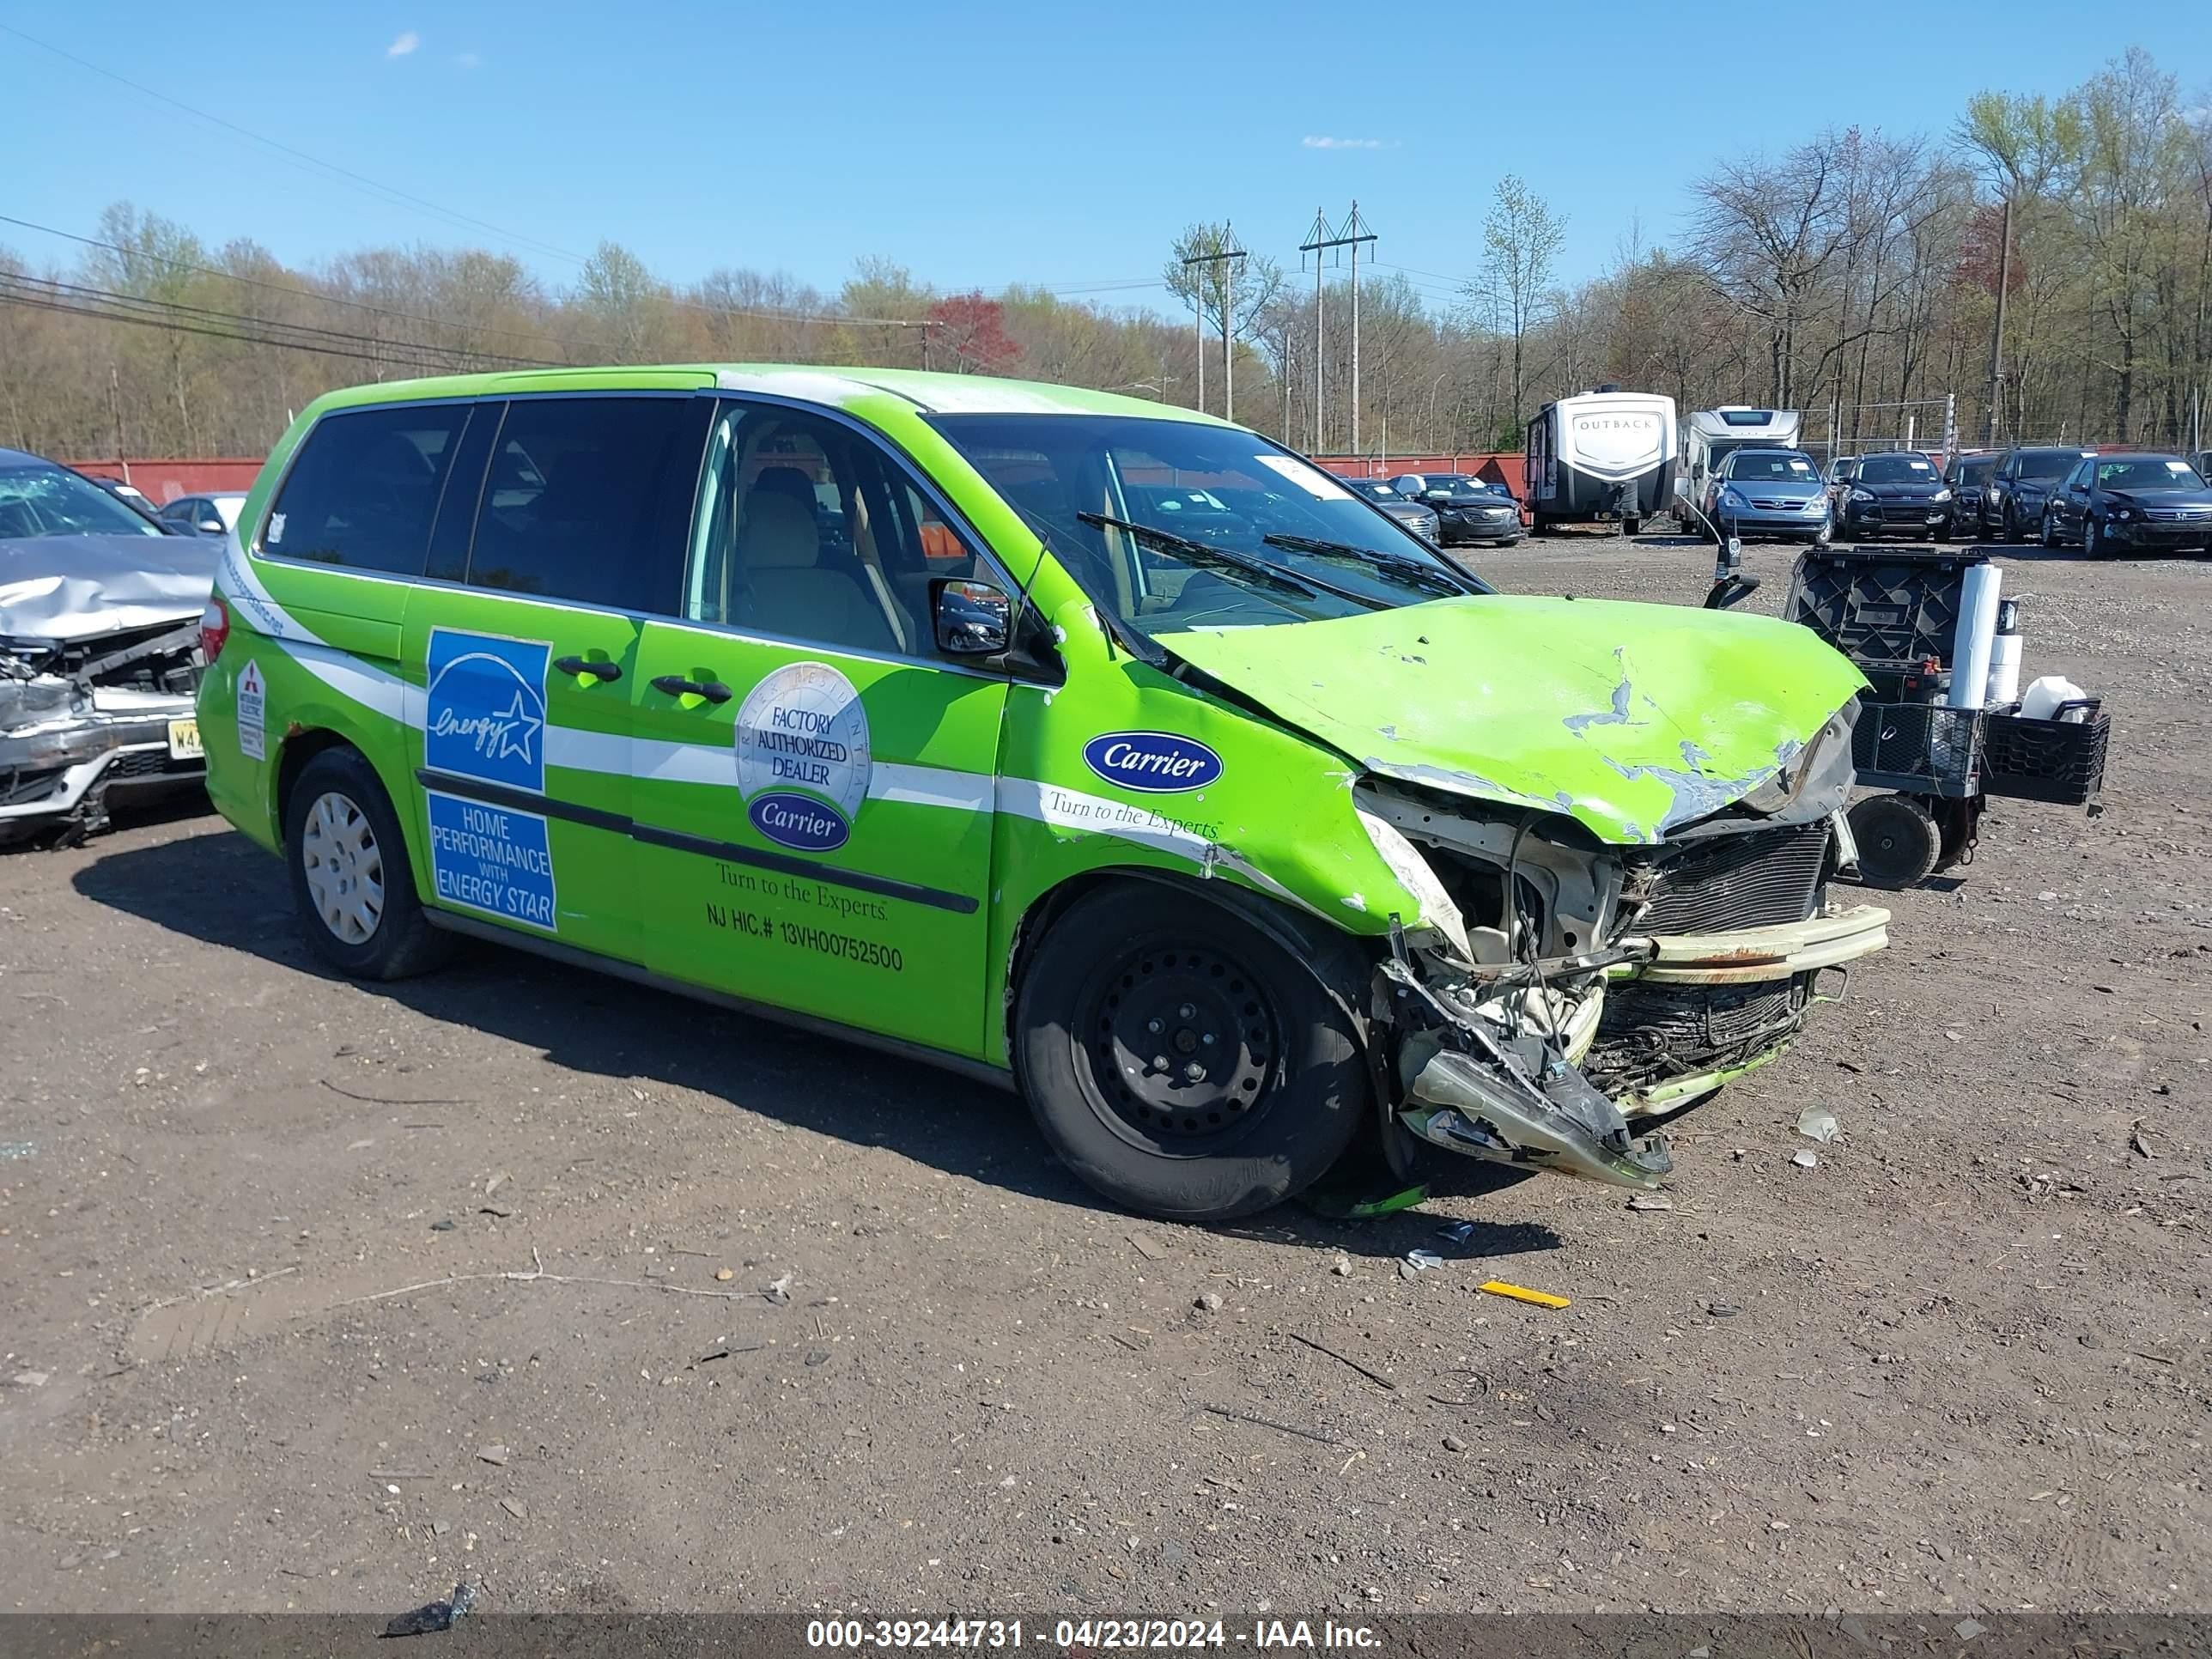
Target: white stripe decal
657,760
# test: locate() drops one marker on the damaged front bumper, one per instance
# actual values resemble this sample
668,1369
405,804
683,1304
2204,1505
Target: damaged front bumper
1547,1064
64,746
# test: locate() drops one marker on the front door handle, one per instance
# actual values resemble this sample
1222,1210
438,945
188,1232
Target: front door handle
589,668
676,686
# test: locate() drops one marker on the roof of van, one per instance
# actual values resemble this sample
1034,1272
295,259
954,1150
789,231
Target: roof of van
852,390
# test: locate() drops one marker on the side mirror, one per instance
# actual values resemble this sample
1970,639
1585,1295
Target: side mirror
973,619
2081,489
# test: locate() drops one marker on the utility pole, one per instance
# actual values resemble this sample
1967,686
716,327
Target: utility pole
115,417
1354,233
1996,334
1221,267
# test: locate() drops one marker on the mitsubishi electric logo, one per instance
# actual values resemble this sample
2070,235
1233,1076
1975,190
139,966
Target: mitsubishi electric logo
484,716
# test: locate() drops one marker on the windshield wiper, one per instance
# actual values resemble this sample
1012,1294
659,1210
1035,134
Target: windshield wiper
1412,571
1259,570
1137,643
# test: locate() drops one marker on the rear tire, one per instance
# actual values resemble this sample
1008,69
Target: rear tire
351,881
1897,841
1138,987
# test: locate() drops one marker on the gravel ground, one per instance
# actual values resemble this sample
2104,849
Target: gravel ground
321,1296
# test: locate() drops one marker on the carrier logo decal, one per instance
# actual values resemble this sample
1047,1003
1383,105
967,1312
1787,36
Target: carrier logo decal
491,858
802,743
484,714
1153,763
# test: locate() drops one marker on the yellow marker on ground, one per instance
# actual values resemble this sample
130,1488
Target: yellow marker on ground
1522,1293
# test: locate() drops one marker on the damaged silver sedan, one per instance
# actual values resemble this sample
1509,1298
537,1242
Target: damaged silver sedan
99,652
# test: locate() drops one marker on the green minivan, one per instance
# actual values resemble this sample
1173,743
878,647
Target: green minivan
1101,749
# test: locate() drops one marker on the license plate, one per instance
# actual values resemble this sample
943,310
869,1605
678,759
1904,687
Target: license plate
185,740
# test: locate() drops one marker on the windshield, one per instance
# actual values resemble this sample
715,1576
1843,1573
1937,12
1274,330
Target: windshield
2048,463
1771,466
2147,472
53,500
1066,473
1897,468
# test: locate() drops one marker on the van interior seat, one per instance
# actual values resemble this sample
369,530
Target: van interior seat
786,589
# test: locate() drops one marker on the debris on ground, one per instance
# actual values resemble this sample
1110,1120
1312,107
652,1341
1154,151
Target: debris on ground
495,1455
1723,1309
514,1507
1148,1248
1459,1231
1650,1202
1209,1303
12,1150
2136,1144
1376,1377
724,1275
779,1290
1819,1123
1422,1260
1522,1293
433,1615
27,1380
1967,1629
1454,1443
1343,1267
1806,1161
444,1226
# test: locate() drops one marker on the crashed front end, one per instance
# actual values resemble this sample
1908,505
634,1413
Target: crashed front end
100,658
1558,989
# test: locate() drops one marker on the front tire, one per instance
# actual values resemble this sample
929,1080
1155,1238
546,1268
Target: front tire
351,881
1180,1062
2094,542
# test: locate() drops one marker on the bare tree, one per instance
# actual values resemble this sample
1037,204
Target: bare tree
1521,240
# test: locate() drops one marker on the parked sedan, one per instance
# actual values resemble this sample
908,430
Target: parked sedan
1769,492
1968,479
1895,494
204,515
2113,504
99,650
1416,517
2012,505
1466,509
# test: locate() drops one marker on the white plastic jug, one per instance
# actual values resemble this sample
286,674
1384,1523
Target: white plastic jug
2042,699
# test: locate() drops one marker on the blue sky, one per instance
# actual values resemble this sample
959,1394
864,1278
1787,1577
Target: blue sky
1063,145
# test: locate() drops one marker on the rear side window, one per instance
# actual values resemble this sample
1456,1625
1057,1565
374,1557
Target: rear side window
365,488
587,500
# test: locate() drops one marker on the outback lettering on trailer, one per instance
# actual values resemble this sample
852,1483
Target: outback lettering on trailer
1154,762
1603,422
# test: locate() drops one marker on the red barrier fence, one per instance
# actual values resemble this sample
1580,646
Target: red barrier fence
162,480
1511,471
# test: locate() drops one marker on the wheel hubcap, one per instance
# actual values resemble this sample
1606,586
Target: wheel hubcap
1180,1041
345,868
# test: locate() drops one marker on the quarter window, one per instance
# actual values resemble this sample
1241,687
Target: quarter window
365,485
586,498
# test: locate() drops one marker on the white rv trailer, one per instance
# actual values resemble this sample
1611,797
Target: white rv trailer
1604,455
1710,435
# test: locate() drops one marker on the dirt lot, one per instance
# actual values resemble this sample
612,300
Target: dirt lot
276,1338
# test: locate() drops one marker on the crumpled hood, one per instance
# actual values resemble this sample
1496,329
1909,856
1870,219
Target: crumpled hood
1634,719
79,587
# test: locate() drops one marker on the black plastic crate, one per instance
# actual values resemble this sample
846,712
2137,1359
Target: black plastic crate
2057,761
1881,608
1922,748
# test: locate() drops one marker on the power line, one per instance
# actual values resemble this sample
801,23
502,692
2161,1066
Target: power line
300,157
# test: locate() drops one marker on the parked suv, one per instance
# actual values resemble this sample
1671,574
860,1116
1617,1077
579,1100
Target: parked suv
1893,493
2012,503
1019,778
1968,478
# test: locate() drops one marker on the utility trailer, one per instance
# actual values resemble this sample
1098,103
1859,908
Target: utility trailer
1607,456
1896,615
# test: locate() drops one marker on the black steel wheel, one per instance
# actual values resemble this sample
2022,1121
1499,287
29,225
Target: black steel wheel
1182,1061
1898,841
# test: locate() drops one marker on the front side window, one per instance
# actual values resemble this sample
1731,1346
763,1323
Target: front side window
585,500
2040,464
807,531
1254,535
44,500
365,487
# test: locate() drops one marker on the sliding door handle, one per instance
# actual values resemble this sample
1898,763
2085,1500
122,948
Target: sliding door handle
676,686
588,668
